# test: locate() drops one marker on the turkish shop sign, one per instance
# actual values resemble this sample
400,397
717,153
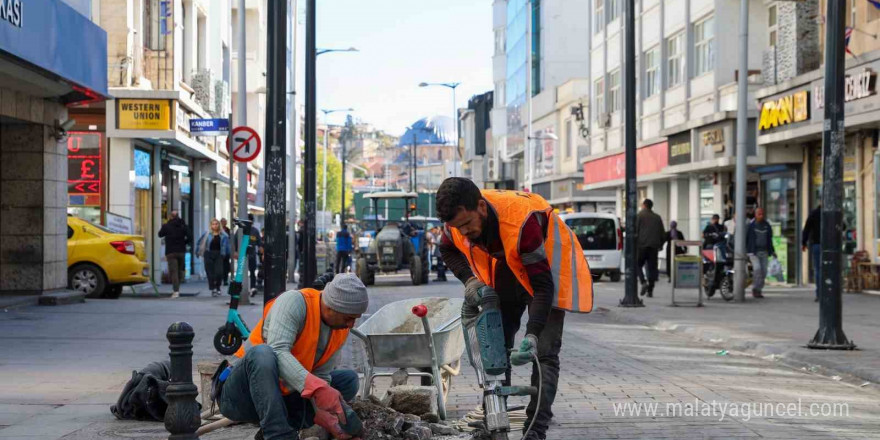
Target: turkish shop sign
143,114
858,86
785,110
680,148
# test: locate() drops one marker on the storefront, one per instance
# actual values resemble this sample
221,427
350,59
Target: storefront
791,126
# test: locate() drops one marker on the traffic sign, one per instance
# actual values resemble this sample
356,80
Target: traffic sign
244,144
209,127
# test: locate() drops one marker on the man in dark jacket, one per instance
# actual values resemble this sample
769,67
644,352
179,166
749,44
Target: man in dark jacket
650,235
176,235
812,239
759,245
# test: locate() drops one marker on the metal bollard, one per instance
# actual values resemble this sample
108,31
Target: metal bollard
182,416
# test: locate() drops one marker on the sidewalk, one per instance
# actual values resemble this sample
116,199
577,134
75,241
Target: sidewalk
777,327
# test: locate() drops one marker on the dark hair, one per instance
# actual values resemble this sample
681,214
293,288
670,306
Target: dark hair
648,203
456,193
716,217
251,217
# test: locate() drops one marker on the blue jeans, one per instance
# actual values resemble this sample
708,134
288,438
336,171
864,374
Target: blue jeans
251,394
816,256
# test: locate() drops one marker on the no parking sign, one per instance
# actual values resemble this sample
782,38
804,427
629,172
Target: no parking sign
244,144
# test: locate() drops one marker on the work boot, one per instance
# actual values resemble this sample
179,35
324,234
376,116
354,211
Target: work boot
756,293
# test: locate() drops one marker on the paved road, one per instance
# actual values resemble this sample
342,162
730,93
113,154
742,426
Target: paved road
63,366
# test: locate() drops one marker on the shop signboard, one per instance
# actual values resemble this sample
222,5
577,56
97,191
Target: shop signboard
651,159
785,110
680,150
118,223
143,114
84,168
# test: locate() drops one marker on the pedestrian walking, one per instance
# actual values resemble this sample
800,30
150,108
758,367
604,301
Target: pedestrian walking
673,234
254,244
436,239
343,249
811,239
213,247
650,235
759,245
227,263
176,235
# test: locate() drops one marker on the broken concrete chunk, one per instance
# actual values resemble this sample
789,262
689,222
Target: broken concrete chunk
431,418
439,429
314,431
412,399
418,433
394,425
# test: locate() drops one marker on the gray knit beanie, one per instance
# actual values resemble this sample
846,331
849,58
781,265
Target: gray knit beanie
346,294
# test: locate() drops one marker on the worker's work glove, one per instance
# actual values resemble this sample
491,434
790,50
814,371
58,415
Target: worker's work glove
331,423
527,348
325,397
472,293
470,310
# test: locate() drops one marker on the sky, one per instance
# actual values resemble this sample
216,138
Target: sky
401,43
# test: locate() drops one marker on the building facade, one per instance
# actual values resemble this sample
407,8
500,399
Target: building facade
53,58
168,61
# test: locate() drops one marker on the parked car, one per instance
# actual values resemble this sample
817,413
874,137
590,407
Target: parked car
100,262
602,240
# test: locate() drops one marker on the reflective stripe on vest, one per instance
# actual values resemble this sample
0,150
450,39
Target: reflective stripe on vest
305,348
572,281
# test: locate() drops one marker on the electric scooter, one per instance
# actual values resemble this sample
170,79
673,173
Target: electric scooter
230,335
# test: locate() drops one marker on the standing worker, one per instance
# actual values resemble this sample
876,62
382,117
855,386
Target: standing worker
811,239
759,245
649,235
514,243
343,249
176,235
286,377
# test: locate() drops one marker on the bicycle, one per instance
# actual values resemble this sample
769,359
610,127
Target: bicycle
230,335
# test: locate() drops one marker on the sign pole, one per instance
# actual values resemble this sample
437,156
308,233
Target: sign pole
241,109
830,334
310,191
630,298
742,123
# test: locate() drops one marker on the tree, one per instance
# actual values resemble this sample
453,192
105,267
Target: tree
334,183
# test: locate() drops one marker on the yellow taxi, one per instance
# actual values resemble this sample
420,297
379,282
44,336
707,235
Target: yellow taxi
100,262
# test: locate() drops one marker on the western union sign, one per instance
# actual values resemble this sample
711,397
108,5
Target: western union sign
143,114
785,110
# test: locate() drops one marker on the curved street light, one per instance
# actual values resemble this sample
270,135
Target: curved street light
323,51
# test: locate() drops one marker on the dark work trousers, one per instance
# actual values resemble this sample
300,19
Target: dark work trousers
252,270
176,268
214,269
341,260
513,304
227,267
251,394
647,260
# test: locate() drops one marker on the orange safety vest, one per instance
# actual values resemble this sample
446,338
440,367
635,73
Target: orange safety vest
572,281
306,346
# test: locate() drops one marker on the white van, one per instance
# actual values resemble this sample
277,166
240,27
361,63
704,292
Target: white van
602,240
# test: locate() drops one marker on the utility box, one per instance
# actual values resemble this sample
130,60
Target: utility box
687,272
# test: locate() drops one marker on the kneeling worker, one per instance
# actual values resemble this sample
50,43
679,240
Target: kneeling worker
514,243
289,361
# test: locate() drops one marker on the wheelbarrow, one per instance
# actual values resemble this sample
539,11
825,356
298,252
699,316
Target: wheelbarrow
420,333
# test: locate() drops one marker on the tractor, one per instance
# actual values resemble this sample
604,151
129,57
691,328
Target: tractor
396,245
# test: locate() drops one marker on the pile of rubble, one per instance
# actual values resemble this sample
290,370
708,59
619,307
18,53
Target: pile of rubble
383,423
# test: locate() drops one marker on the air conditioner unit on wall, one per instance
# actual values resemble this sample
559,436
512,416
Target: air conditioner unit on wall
493,168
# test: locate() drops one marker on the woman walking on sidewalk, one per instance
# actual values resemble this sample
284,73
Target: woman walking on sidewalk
213,246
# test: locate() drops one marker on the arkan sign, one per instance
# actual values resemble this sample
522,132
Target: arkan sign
11,12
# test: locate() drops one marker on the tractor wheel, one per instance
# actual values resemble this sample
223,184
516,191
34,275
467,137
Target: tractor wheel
416,270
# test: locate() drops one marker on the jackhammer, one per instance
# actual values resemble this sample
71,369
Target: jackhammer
484,343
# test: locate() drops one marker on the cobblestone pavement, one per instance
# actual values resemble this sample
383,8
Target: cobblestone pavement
65,365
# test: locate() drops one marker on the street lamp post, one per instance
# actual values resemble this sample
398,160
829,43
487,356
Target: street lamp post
451,85
324,178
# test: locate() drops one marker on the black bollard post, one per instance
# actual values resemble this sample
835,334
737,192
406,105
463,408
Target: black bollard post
182,417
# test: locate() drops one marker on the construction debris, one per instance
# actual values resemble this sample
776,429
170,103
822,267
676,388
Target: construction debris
412,399
383,423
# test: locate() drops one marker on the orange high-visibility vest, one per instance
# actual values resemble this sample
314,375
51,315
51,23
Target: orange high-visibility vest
306,346
572,282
